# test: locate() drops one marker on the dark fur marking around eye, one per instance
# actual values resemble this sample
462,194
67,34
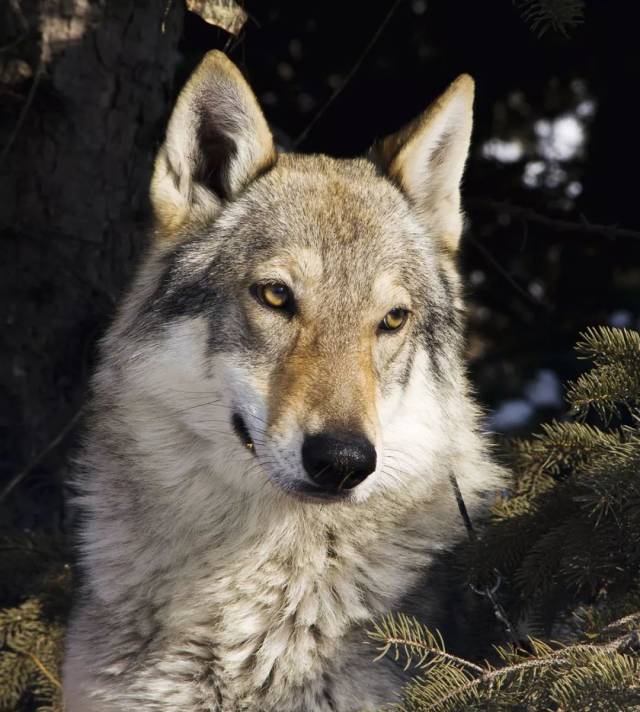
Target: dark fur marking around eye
189,300
179,293
177,297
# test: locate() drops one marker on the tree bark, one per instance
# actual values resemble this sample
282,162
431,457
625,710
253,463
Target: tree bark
76,147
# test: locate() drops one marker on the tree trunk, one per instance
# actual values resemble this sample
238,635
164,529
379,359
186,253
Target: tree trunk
77,142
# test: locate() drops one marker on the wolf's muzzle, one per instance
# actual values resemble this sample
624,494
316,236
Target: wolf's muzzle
338,461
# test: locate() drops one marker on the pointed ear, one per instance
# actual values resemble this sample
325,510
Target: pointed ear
217,141
426,159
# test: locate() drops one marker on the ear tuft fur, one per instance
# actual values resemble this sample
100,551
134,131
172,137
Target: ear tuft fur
217,142
426,159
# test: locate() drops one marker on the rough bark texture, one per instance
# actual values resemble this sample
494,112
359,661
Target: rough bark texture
76,146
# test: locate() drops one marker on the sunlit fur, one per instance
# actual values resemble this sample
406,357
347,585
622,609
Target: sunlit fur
211,580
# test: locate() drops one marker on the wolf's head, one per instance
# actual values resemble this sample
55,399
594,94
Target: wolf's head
298,319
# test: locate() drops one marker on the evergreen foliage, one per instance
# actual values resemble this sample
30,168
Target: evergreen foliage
35,590
598,675
566,538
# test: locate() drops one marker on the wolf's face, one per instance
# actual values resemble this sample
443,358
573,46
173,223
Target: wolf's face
300,316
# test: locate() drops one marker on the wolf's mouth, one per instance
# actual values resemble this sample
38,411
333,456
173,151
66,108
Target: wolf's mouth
241,430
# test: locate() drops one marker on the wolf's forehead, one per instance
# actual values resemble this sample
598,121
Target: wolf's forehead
336,248
345,216
327,199
322,221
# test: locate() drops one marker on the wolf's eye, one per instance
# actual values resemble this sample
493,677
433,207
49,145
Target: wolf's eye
394,319
274,295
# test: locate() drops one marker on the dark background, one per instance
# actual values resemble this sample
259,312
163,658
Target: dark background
551,174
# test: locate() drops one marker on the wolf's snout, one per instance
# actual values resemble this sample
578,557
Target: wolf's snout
338,461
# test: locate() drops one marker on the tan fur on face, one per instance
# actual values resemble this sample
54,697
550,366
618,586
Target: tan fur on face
326,377
311,386
320,393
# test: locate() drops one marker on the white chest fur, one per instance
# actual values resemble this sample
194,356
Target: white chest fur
280,606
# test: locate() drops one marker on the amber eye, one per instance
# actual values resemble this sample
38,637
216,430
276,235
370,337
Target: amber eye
394,319
274,295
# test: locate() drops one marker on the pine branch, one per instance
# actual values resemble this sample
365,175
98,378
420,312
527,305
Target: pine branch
605,346
562,448
406,636
36,597
615,380
562,674
567,541
606,390
30,655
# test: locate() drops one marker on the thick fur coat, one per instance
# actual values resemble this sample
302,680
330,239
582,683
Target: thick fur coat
216,574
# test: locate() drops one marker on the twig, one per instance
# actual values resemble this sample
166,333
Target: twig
68,427
165,14
556,224
339,89
427,650
17,11
23,112
486,591
555,657
14,43
43,669
519,288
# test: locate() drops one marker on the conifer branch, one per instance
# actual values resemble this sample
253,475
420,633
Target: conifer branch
454,681
566,540
406,633
43,669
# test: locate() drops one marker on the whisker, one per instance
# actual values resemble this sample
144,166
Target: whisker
394,469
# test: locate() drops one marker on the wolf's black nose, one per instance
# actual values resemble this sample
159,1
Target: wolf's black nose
338,461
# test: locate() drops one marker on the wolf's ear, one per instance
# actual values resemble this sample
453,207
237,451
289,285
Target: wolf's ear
217,141
426,159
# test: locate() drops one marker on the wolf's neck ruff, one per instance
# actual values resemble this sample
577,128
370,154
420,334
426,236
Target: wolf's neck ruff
276,411
280,609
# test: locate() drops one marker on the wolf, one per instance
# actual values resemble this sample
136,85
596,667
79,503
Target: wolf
276,413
